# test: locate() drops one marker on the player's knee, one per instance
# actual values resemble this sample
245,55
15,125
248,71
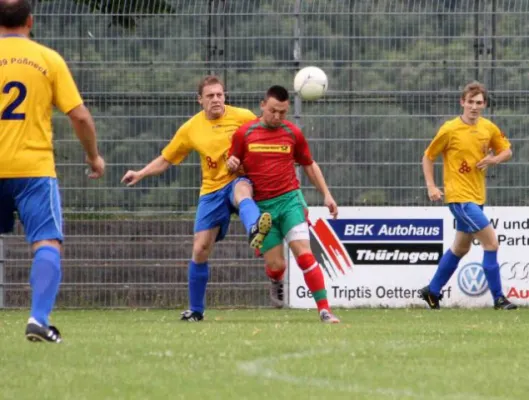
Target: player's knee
306,261
276,265
492,246
489,240
201,251
243,190
460,250
243,187
46,243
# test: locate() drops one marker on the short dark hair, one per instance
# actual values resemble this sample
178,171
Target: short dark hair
473,89
277,92
209,80
14,13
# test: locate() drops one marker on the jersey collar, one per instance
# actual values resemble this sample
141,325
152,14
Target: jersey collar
8,35
270,128
467,124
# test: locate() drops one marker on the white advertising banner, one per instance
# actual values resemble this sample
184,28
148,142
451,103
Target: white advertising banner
381,256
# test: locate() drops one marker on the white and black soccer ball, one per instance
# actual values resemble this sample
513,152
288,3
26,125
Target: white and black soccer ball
310,83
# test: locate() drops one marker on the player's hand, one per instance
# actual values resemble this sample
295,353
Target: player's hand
131,178
97,167
434,193
329,202
487,161
233,163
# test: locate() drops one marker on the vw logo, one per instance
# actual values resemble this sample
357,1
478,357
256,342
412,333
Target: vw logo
472,280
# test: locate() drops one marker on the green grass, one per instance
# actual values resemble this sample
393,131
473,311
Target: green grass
269,354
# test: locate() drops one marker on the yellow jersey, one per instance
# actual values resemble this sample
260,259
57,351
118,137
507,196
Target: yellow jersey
33,78
463,146
211,139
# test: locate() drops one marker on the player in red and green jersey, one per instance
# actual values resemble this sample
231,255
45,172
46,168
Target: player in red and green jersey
268,149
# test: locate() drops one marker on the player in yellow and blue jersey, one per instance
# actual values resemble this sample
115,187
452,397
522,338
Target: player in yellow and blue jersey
222,193
466,143
34,78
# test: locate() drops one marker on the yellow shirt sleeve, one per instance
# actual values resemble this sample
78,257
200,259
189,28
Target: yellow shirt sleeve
180,146
65,93
438,144
499,141
246,115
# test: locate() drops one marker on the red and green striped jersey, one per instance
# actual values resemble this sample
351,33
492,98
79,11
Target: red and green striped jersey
268,156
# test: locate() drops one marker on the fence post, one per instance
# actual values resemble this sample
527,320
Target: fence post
2,273
297,120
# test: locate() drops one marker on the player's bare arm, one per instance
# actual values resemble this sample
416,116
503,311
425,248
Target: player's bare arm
85,129
316,177
491,159
155,167
434,193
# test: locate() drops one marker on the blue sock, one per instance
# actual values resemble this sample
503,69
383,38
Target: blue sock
248,213
198,279
445,270
492,273
45,278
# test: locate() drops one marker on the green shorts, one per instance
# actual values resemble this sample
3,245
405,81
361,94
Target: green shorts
288,211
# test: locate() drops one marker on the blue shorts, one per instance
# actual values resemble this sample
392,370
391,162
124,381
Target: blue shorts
38,204
469,217
215,209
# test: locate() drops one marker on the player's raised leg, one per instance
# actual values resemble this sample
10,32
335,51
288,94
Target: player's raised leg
257,224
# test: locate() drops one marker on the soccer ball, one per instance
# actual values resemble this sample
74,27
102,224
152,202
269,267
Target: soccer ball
310,83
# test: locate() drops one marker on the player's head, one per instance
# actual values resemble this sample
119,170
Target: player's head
15,15
473,100
275,106
211,96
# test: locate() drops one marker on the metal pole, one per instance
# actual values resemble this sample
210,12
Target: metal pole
2,274
225,49
351,24
297,116
209,43
297,58
476,40
493,56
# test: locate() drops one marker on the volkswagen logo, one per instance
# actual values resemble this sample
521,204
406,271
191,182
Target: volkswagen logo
472,280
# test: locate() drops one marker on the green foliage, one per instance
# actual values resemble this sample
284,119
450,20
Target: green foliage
394,77
121,10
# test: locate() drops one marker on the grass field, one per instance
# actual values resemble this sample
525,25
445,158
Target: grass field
269,354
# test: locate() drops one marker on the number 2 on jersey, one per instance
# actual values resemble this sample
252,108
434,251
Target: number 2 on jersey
9,112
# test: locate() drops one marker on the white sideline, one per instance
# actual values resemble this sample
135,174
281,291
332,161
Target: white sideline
263,368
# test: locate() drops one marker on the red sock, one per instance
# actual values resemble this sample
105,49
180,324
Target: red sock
314,279
276,275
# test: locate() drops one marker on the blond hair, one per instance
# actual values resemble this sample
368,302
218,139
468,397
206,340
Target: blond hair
473,89
207,81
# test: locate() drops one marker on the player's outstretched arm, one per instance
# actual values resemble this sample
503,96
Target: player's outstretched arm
155,167
85,129
427,168
316,177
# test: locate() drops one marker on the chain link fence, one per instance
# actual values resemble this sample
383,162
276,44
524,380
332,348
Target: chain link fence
395,67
